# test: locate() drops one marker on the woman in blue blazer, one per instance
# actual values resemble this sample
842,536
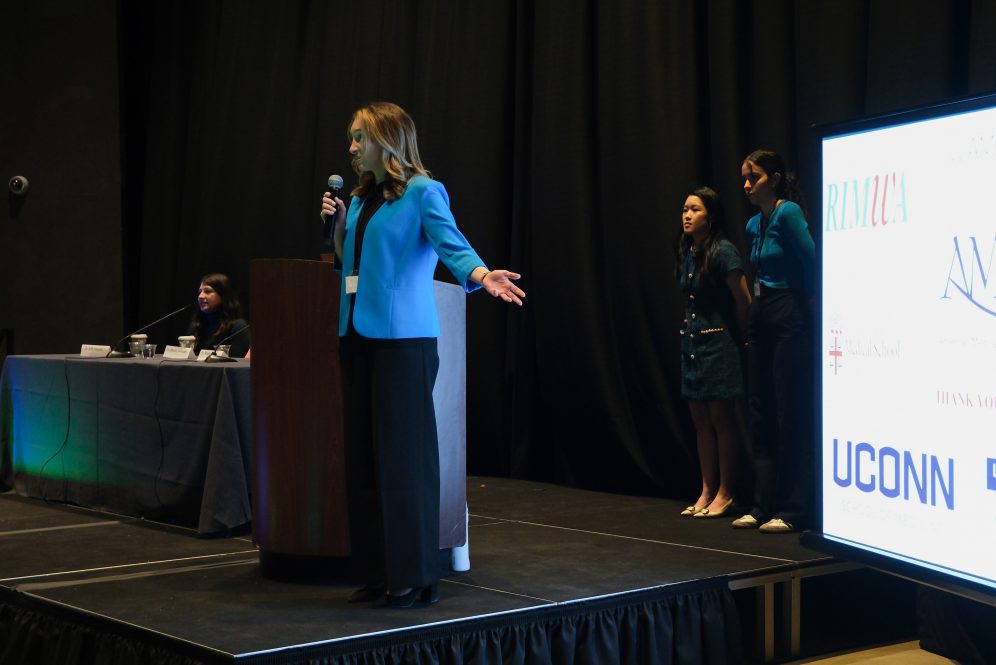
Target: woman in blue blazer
387,244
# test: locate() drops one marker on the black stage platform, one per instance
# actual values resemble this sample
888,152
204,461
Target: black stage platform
578,576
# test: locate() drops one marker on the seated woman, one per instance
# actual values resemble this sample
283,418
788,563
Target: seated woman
218,318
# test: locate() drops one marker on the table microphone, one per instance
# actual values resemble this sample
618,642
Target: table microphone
335,186
129,354
215,358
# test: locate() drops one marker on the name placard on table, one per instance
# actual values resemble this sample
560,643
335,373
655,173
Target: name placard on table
94,350
179,353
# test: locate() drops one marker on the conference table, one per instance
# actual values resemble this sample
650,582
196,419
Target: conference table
159,439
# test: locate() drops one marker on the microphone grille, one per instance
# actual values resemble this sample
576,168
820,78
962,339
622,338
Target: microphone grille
335,182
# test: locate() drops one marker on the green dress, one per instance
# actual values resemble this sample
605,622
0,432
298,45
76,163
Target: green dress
710,355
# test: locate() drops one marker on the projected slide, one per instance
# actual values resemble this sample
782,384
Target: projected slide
909,342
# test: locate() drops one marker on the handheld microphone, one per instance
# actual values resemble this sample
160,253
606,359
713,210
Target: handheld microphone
335,186
129,354
215,358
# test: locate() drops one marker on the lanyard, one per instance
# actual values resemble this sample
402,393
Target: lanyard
763,225
759,244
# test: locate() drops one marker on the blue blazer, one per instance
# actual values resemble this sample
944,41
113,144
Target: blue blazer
402,244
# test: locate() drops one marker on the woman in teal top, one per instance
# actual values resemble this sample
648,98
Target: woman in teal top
711,275
398,226
780,347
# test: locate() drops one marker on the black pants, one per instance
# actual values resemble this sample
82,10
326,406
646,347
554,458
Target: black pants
781,405
392,458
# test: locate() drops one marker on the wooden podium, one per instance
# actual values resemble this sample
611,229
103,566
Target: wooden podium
300,511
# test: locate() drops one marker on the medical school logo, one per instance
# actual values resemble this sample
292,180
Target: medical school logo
893,473
969,273
872,349
836,353
876,201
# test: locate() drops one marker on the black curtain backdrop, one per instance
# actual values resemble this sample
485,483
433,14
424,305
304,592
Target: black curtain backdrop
566,132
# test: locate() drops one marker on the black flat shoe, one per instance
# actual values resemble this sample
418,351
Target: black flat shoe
367,593
416,597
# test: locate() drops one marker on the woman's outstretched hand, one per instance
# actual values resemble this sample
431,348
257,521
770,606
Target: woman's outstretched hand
499,283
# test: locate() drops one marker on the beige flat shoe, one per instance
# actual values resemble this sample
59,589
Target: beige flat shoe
717,512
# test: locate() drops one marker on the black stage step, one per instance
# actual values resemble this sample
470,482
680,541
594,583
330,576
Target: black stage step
552,568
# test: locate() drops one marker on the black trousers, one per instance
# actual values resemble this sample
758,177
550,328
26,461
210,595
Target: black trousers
781,405
392,458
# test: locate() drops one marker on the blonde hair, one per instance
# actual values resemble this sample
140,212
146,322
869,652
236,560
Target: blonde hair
389,126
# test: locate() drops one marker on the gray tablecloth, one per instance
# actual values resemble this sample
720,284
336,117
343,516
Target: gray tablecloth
150,438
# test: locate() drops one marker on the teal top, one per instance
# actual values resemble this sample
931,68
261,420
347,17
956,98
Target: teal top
783,254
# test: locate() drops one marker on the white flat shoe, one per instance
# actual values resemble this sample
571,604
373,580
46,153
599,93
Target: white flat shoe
745,522
777,526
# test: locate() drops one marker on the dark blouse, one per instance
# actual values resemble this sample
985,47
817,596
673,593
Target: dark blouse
240,342
371,204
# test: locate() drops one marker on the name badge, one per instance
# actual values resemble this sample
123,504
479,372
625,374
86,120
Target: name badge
352,281
757,289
